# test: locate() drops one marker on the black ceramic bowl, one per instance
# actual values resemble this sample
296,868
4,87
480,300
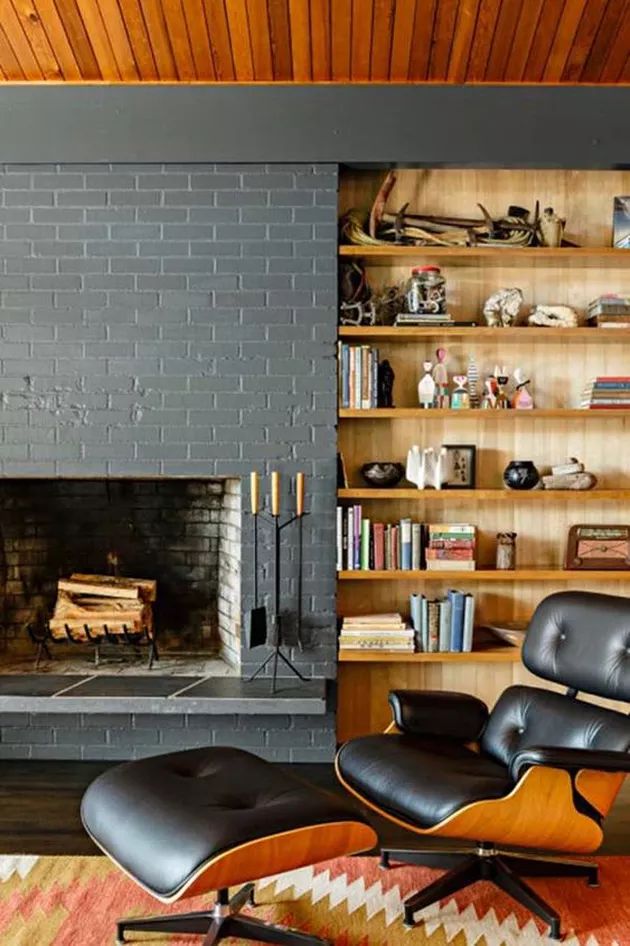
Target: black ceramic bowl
382,475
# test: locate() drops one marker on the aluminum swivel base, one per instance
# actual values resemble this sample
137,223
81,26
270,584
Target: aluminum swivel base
486,863
222,921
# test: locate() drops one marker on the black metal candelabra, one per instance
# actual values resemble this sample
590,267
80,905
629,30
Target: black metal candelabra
277,654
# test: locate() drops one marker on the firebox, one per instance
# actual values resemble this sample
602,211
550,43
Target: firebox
183,535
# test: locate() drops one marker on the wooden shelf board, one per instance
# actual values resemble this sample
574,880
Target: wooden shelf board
434,413
485,495
490,255
489,655
482,333
486,574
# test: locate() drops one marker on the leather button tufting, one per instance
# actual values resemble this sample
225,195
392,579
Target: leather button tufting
563,636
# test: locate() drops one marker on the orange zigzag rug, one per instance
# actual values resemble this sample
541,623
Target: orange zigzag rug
75,901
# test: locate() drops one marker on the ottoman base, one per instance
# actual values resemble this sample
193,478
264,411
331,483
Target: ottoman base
222,921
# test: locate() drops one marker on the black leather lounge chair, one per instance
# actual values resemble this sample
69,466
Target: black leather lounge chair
203,820
541,771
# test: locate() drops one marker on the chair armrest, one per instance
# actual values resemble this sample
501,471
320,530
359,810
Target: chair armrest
436,713
572,760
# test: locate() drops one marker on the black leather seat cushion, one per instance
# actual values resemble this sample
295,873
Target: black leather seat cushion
162,818
420,780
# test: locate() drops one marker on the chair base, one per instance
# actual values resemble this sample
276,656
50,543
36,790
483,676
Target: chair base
502,869
219,923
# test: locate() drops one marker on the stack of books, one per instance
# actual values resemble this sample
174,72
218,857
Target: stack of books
443,625
451,547
376,546
358,376
609,311
376,632
424,318
606,393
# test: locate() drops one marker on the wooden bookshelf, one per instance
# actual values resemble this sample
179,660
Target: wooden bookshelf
558,361
551,496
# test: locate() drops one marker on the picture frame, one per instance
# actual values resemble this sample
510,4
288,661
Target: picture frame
621,223
598,547
460,466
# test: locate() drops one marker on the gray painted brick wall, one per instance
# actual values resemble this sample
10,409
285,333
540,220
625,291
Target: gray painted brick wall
177,320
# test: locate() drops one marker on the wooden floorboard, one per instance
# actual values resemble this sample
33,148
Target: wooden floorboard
39,809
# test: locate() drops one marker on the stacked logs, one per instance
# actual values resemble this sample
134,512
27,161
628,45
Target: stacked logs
90,606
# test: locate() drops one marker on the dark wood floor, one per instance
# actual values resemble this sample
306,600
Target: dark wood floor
39,809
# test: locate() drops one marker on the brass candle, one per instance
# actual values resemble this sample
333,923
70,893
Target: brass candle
299,494
254,492
275,494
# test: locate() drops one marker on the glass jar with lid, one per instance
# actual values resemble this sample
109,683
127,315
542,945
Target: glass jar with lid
426,291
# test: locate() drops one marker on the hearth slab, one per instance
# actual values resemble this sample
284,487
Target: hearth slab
172,695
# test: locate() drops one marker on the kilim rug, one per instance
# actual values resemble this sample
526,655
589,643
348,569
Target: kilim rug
74,901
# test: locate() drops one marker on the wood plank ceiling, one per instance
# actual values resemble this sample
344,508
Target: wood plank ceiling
453,41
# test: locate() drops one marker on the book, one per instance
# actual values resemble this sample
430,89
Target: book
458,602
405,544
442,565
433,627
365,545
340,539
378,530
444,632
416,546
469,622
350,538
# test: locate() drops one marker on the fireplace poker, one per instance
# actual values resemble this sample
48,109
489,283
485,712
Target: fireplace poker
258,614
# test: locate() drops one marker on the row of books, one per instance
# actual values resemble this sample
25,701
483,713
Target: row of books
443,625
358,376
363,545
606,392
609,311
377,632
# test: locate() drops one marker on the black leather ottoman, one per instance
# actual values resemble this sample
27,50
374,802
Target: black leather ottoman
205,820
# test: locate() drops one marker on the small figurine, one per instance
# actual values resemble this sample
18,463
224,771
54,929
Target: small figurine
502,378
551,228
386,378
415,468
426,387
473,381
489,401
502,307
521,399
440,376
506,551
554,316
461,398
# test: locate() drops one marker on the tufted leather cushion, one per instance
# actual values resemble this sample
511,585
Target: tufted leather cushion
582,640
162,818
527,716
438,713
420,780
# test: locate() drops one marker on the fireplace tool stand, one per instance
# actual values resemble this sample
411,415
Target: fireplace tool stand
278,655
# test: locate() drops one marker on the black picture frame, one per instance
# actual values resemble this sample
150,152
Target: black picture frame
469,457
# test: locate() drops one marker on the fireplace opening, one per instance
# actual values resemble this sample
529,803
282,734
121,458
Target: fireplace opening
184,535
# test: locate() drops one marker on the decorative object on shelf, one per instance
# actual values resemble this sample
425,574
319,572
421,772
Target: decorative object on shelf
440,376
621,223
424,466
502,400
521,399
381,475
502,307
459,467
388,302
489,400
506,551
342,473
473,382
460,399
510,632
569,475
356,307
426,387
426,291
277,654
520,474
551,228
386,378
553,316
609,311
605,548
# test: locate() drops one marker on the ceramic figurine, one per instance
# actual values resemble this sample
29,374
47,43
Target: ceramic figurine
426,387
502,307
502,377
551,227
461,398
440,376
553,316
386,378
489,400
521,399
506,551
473,381
415,469
521,474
